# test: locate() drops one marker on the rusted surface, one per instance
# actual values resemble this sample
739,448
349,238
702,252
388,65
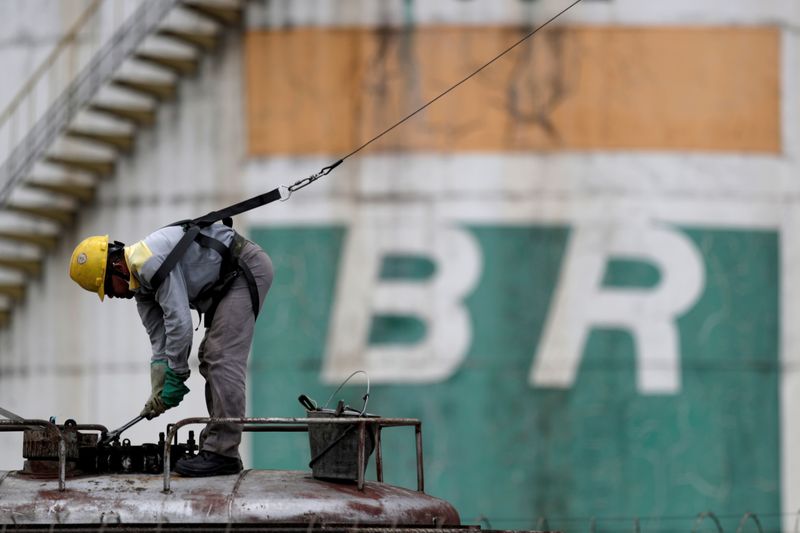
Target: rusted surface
40,448
54,431
256,496
42,444
48,469
339,503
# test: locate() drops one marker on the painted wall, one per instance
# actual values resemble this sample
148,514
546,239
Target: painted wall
577,269
575,88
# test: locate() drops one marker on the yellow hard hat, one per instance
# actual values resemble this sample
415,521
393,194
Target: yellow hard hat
88,264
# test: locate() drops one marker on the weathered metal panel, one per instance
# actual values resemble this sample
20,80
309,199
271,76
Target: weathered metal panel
254,496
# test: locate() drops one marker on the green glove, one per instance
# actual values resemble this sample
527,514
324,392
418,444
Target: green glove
174,388
168,389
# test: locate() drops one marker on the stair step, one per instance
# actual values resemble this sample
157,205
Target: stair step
141,116
59,215
155,89
183,66
98,167
221,13
203,40
31,267
15,291
78,191
38,239
120,141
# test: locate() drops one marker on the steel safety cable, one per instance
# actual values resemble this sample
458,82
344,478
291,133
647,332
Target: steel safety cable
327,170
284,192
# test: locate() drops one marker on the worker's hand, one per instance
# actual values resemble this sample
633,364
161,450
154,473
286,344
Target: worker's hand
174,388
168,389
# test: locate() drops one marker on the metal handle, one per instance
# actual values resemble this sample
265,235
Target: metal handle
117,432
365,397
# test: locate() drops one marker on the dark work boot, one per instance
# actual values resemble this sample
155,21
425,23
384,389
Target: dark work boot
208,464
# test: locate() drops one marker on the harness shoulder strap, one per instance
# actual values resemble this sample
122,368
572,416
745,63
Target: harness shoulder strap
216,245
192,235
174,256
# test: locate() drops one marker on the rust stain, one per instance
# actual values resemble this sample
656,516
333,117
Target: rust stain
264,496
366,508
326,91
70,495
207,501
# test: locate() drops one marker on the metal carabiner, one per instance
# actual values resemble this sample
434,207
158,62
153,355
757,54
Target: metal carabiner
305,182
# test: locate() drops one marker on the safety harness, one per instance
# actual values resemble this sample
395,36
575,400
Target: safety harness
230,268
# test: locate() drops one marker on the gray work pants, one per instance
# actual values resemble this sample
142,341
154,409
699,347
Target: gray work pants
224,351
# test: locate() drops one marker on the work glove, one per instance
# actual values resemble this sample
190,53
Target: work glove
167,387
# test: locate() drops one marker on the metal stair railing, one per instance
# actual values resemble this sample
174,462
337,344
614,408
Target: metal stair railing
80,91
68,44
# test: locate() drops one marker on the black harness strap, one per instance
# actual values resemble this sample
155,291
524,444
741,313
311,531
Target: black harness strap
174,256
251,286
214,244
235,209
231,266
193,232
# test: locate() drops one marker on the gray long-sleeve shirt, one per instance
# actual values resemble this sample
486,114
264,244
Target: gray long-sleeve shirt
166,313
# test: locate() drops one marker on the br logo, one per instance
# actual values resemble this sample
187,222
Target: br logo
580,303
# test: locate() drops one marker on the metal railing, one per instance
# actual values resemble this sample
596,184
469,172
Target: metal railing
44,108
21,425
362,424
375,424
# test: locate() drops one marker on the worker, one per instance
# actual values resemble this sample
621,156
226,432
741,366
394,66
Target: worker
213,270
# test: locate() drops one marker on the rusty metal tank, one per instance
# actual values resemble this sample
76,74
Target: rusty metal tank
81,485
254,496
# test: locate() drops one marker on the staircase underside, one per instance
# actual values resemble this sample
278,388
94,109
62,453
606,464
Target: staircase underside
39,208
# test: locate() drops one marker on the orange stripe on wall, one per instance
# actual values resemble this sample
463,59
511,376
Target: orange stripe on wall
325,91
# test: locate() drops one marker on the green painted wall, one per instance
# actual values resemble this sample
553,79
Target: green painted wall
501,449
